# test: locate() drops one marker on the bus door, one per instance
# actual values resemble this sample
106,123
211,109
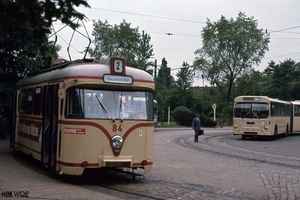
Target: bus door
50,120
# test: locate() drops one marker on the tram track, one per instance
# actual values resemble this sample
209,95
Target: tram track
161,189
212,144
122,185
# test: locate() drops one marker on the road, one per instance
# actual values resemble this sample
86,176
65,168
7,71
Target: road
220,166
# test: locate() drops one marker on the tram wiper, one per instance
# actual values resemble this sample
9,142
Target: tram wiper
121,112
103,108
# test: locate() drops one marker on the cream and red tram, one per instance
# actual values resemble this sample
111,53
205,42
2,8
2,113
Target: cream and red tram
86,115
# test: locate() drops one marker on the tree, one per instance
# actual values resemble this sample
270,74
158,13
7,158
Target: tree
164,85
144,52
24,45
164,76
122,40
230,49
182,90
283,80
253,83
24,27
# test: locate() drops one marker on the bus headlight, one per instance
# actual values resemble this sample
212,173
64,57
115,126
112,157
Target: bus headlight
117,142
266,128
235,126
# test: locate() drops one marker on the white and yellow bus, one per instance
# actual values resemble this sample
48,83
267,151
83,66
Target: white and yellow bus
295,117
261,116
84,114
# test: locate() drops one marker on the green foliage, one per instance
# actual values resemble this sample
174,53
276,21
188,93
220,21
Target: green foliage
183,84
207,122
24,46
185,78
162,96
164,76
185,118
283,80
253,83
230,49
24,26
122,40
176,113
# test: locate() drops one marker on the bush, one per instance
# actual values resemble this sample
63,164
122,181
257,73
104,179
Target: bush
207,122
186,118
178,111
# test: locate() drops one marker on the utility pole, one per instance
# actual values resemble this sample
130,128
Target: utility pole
155,69
202,93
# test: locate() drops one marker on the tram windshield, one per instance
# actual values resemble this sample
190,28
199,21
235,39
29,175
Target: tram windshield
104,104
251,110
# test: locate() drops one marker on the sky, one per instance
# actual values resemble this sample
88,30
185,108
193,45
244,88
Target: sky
184,20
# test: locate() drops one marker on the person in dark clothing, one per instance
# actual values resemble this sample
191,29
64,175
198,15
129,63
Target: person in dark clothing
196,126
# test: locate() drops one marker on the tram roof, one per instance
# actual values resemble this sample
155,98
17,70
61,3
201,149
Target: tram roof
86,70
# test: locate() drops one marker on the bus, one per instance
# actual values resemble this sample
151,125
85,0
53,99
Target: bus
261,116
155,107
83,115
295,116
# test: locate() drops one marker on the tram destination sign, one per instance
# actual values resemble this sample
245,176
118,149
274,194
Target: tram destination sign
108,78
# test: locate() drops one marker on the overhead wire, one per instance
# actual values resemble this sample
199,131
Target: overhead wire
198,22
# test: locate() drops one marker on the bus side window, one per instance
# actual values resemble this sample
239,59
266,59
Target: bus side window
297,110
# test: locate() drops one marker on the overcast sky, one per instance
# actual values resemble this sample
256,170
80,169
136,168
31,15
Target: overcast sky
185,20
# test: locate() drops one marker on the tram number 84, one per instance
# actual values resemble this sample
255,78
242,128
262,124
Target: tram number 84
116,128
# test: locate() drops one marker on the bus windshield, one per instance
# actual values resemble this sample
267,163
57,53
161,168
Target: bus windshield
104,104
251,110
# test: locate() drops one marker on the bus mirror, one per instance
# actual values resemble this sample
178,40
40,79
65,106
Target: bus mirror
61,93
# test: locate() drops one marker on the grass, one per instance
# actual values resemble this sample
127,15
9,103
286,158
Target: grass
171,125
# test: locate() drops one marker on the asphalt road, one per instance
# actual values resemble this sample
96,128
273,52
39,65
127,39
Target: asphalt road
182,169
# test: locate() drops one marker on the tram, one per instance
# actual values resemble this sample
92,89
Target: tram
83,115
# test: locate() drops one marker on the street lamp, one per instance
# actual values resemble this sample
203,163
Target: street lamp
202,93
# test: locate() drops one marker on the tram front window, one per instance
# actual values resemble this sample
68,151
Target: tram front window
251,110
103,104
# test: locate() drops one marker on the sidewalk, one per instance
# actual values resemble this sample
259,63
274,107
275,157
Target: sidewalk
16,179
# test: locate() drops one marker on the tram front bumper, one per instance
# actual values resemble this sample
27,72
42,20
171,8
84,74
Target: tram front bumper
115,162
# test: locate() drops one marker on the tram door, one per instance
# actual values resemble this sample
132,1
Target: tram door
49,131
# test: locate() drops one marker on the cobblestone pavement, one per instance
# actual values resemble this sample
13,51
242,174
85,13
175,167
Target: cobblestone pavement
178,173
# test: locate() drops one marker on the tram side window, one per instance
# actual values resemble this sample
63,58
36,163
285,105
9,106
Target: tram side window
37,101
26,101
73,104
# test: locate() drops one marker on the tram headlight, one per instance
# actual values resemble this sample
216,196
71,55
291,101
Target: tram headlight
117,142
266,128
235,126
